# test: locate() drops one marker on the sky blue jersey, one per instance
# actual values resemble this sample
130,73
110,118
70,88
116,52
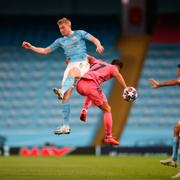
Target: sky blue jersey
74,45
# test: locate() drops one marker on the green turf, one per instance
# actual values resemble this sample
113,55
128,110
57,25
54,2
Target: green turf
84,167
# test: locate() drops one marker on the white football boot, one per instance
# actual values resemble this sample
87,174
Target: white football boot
169,162
59,93
65,129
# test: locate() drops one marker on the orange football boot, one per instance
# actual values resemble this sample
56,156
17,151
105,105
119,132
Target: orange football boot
111,140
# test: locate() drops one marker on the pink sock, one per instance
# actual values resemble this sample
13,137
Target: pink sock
87,102
108,124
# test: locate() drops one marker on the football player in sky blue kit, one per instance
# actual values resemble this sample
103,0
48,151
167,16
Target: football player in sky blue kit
176,141
74,46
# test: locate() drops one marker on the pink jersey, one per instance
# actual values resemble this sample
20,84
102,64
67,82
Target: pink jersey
99,71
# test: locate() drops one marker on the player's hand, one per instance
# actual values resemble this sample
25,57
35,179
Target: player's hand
100,49
154,83
26,45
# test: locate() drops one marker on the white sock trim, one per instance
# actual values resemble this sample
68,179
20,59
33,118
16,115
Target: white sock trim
84,110
108,136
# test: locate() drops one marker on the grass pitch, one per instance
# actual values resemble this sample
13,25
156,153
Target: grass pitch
84,168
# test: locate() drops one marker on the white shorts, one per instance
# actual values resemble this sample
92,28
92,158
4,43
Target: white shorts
83,67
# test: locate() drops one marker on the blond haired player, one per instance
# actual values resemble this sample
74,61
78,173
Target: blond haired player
74,46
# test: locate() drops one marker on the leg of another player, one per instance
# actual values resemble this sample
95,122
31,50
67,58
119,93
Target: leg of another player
177,176
172,161
179,153
176,142
105,107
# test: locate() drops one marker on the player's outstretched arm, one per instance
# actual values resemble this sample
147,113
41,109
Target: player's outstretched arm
155,84
99,47
39,50
120,78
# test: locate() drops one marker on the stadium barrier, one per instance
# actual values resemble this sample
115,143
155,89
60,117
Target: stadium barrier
90,150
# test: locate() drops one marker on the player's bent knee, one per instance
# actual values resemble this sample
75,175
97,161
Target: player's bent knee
75,72
107,108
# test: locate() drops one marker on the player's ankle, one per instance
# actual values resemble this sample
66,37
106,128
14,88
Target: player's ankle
108,136
84,109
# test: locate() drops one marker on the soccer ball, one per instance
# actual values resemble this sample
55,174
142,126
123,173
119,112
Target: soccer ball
130,94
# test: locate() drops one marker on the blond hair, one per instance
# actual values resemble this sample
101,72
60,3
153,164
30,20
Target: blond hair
64,21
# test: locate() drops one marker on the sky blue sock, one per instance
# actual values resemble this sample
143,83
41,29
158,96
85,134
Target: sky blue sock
175,148
67,84
66,112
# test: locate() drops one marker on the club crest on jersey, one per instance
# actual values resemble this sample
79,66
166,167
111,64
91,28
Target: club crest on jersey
74,38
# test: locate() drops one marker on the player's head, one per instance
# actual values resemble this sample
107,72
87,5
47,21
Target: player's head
117,63
64,26
178,70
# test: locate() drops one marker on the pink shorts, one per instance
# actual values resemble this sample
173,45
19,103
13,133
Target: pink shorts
89,88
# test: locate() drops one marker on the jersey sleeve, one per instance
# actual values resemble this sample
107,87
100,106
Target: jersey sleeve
84,34
112,69
56,44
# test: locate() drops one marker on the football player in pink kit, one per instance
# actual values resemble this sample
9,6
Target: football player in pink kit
89,86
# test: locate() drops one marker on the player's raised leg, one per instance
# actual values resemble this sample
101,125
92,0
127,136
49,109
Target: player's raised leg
72,72
67,82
